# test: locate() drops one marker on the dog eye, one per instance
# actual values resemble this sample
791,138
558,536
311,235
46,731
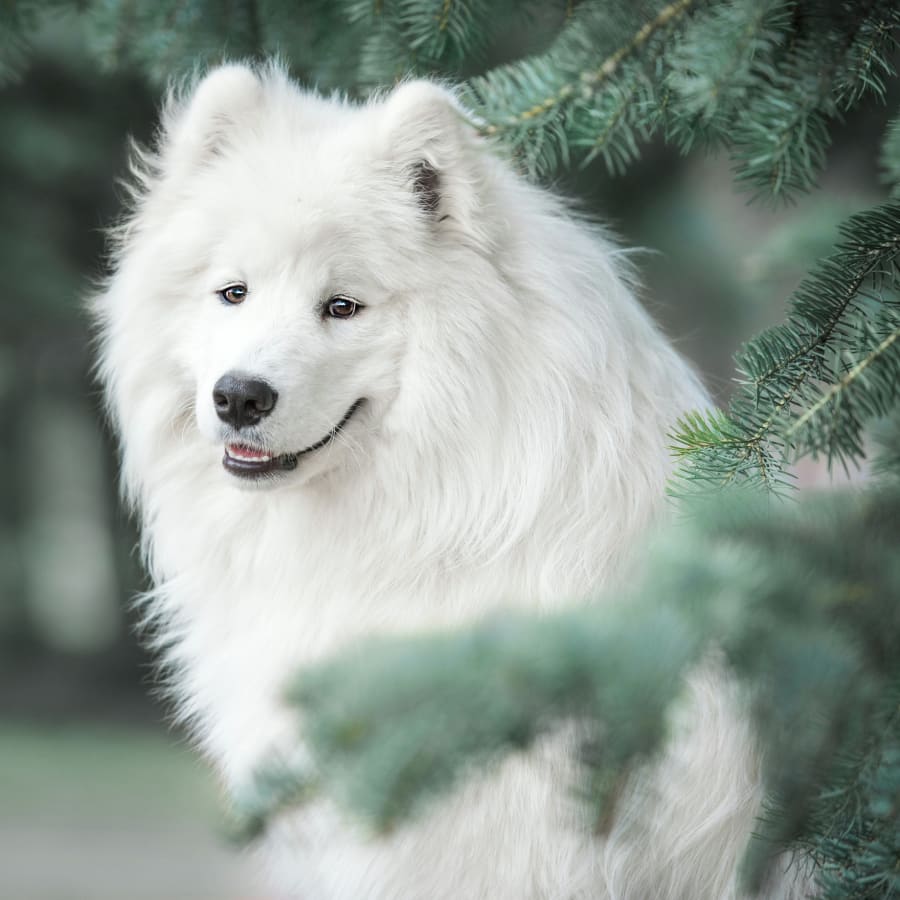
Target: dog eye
233,293
341,307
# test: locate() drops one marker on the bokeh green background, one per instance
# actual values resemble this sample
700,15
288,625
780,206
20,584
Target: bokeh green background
98,797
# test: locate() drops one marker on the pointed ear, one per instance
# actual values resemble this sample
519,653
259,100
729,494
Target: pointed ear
198,125
426,138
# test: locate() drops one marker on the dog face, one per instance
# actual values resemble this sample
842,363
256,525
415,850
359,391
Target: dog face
302,340
304,241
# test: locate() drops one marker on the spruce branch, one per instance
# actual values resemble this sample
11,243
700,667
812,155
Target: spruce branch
276,788
861,262
840,389
665,17
813,384
718,64
569,95
451,31
855,833
779,145
366,11
766,80
611,127
824,68
422,37
799,599
867,55
479,694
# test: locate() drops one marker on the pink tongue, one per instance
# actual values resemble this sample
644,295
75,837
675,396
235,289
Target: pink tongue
238,450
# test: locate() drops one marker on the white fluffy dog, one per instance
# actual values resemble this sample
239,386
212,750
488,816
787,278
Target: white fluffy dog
368,379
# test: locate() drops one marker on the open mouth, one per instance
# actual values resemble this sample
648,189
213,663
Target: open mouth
247,461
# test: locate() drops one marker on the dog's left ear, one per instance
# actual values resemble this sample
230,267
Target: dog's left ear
426,138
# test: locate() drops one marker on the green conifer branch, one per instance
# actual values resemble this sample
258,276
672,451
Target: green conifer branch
826,67
841,386
764,79
446,30
717,65
779,147
579,92
622,103
779,399
800,600
867,261
867,57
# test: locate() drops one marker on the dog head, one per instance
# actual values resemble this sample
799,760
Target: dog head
286,256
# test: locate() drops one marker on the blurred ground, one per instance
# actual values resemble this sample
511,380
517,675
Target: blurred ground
106,813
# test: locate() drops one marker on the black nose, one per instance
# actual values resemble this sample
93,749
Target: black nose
241,401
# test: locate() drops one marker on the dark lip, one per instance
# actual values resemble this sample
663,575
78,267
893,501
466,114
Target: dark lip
286,462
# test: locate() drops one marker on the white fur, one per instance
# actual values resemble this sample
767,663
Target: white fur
511,449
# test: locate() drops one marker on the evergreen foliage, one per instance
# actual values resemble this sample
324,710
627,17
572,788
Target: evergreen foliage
763,80
801,599
811,385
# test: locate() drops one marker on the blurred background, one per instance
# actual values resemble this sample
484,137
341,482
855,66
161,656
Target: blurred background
99,797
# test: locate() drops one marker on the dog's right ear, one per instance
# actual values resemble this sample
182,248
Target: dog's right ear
197,126
424,138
